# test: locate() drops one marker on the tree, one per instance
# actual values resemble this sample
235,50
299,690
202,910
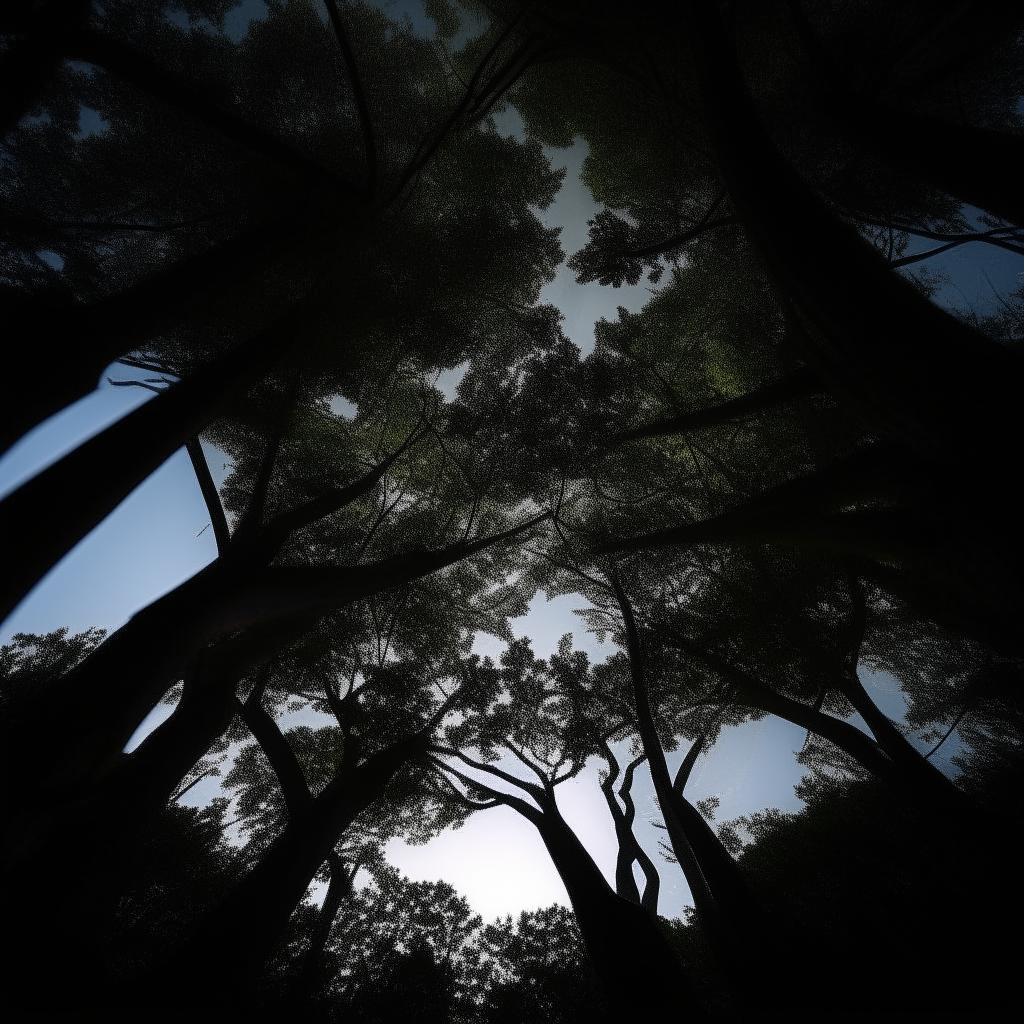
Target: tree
636,967
790,468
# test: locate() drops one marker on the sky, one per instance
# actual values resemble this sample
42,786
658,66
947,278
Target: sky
159,537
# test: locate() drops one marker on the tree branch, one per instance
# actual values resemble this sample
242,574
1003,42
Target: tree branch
279,753
683,775
276,532
528,812
365,122
797,384
527,787
949,731
209,490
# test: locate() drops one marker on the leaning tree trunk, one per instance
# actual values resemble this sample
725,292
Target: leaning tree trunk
309,981
230,945
93,711
875,340
924,778
91,481
108,816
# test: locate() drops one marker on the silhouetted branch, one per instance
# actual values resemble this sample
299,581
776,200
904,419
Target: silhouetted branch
209,490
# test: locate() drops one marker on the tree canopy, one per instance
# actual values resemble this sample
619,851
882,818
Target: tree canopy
789,470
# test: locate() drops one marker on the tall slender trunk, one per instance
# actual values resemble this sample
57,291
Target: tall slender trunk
625,883
726,907
629,850
640,974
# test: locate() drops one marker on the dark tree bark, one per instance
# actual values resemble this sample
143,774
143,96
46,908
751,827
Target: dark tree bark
873,339
104,700
229,947
726,907
83,340
208,489
916,768
750,691
309,980
107,818
639,973
629,850
91,481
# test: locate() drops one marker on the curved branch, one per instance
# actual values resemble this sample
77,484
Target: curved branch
949,731
683,775
209,490
517,804
546,782
430,146
279,753
527,787
668,244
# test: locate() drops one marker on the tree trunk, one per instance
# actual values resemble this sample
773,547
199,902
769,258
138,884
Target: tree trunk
629,850
753,693
877,342
229,947
925,778
83,340
638,970
726,908
91,481
92,712
309,982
